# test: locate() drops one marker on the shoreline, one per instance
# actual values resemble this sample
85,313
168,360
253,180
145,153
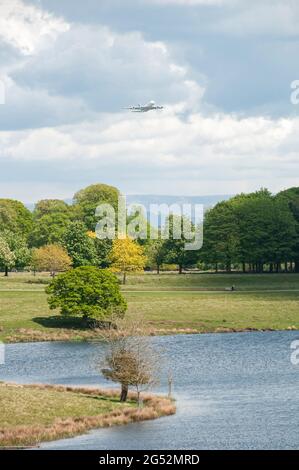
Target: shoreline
31,435
37,336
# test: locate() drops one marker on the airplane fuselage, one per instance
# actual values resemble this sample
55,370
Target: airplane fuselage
144,109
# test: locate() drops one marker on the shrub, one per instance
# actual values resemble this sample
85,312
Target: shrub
89,292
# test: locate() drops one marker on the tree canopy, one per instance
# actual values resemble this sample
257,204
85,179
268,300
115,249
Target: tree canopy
51,258
87,200
15,252
15,217
87,292
51,218
127,256
79,245
251,229
175,248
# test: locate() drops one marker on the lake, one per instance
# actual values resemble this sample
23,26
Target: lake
233,391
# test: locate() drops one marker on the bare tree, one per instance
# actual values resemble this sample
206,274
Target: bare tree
131,359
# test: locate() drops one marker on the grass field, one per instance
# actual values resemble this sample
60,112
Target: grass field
31,413
169,303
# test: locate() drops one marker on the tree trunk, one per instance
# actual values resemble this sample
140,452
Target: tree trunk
6,271
158,269
216,267
244,267
271,268
286,267
124,277
139,399
297,266
180,269
277,267
124,392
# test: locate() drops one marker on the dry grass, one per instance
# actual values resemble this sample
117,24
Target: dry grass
25,335
15,434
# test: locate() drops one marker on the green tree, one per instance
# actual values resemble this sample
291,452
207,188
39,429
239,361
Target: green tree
87,292
103,249
51,219
175,248
19,249
291,197
7,257
87,200
15,217
50,206
156,254
267,229
221,236
80,246
252,229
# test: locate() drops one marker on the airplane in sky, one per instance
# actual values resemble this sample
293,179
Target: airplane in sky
144,109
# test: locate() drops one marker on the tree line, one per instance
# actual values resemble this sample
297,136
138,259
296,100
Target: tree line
253,232
249,232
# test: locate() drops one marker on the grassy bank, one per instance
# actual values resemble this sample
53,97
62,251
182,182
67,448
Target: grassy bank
31,414
168,303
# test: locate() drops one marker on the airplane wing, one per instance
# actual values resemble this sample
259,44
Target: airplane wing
134,108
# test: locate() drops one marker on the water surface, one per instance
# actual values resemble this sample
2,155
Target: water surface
233,391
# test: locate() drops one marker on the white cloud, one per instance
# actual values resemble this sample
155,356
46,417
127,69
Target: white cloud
93,70
27,27
63,101
201,154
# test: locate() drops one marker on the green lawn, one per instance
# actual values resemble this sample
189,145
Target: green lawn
34,413
22,405
214,281
30,413
174,281
168,303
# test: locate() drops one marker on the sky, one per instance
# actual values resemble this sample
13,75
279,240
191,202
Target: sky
221,68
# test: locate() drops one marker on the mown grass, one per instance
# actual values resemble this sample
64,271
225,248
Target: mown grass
209,281
168,304
206,281
208,312
31,413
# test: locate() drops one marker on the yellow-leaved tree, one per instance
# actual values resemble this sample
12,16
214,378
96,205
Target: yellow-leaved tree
51,258
127,256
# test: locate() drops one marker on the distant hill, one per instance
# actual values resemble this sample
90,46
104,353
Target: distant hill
147,199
